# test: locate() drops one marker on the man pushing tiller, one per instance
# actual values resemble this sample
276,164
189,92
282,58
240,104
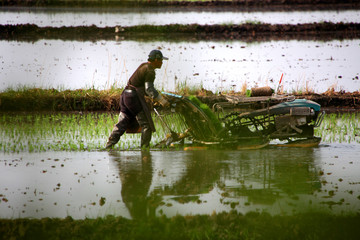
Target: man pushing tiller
134,112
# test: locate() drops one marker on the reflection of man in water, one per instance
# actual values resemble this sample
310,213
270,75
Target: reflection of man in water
136,176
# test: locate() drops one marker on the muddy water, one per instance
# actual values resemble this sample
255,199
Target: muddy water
216,66
134,184
123,17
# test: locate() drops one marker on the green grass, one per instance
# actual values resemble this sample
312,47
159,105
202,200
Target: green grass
231,225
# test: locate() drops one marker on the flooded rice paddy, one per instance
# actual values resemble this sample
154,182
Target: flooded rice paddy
57,17
216,66
53,165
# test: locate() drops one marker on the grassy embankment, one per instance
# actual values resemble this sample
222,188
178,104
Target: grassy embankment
217,226
40,99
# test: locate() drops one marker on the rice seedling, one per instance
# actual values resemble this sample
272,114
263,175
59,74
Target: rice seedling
341,128
38,132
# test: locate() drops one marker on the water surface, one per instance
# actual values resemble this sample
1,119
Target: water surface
135,184
216,66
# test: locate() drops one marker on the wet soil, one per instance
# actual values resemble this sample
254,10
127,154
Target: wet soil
245,5
335,101
248,32
332,101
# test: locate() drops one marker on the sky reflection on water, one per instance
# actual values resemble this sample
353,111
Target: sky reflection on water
215,66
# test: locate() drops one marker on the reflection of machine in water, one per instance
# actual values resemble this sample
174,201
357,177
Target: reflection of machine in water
264,178
251,122
261,176
268,175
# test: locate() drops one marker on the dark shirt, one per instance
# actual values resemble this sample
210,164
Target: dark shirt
144,73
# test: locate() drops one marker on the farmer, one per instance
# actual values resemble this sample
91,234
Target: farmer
134,112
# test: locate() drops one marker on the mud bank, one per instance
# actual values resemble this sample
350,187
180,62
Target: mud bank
334,101
245,5
337,101
194,32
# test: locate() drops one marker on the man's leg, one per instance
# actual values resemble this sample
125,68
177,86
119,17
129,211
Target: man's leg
118,130
145,131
